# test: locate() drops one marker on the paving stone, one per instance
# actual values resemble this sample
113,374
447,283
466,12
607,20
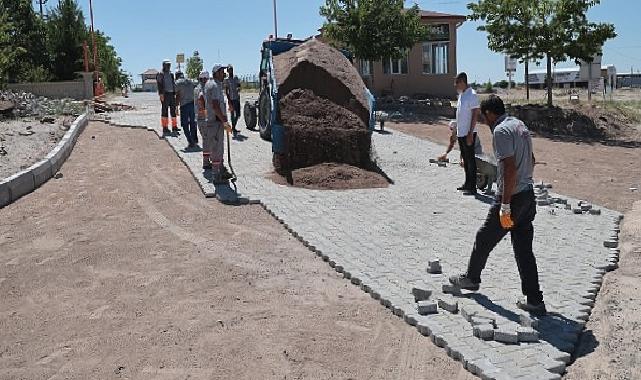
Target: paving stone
595,211
434,267
611,244
526,320
426,307
485,332
448,303
452,289
20,184
527,334
505,335
421,294
5,193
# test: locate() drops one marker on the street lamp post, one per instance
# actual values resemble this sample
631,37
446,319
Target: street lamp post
275,21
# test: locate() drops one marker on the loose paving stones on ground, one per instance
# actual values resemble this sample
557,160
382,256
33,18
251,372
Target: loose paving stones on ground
383,239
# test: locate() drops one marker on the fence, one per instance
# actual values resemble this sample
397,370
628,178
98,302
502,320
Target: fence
80,89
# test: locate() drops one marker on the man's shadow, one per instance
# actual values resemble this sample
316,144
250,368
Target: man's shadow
553,328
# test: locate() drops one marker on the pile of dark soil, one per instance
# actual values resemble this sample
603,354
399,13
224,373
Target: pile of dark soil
319,131
330,176
327,72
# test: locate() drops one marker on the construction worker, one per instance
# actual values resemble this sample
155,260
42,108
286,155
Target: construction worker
514,209
201,118
185,98
478,148
232,90
167,93
467,112
217,123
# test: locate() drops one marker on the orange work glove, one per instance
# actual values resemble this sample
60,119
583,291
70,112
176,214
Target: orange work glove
505,216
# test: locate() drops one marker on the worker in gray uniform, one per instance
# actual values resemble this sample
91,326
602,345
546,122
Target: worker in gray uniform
185,98
201,117
217,123
514,209
232,90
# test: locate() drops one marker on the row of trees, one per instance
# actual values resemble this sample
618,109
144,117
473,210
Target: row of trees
556,30
33,49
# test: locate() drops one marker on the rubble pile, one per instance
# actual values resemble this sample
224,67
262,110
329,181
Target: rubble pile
24,104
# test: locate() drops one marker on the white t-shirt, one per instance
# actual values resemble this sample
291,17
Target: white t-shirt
468,101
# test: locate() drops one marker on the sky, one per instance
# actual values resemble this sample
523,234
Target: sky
144,32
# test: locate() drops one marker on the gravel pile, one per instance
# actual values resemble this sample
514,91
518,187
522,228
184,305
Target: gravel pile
29,105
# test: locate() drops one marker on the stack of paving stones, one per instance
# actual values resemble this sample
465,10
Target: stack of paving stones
382,240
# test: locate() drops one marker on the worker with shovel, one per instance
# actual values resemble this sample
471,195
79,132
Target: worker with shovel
514,209
217,123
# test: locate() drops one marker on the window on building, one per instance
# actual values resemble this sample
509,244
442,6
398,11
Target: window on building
436,57
365,68
395,66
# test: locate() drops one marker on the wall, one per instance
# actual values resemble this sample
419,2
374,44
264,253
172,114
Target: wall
81,89
415,82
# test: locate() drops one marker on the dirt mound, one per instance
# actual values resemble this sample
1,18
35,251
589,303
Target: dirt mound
327,72
331,176
318,131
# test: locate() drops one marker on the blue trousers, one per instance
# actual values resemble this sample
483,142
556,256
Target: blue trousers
188,122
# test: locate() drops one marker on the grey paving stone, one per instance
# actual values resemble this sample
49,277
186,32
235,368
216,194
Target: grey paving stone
426,307
434,267
485,332
20,184
527,334
5,193
506,335
449,304
421,294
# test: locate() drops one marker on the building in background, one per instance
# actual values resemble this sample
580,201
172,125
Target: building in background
428,70
571,78
630,79
149,83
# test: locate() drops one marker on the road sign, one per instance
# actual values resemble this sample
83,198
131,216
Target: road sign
510,64
180,58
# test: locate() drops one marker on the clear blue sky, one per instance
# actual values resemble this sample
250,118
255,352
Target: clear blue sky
145,32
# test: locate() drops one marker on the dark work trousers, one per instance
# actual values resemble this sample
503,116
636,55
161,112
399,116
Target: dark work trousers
469,162
169,105
235,115
188,122
491,233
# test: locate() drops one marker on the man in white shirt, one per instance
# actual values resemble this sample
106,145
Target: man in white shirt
467,112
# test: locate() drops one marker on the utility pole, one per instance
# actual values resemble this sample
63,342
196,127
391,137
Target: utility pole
42,3
275,21
93,41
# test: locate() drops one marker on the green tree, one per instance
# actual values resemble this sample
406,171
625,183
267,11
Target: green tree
194,66
67,32
28,59
558,29
373,29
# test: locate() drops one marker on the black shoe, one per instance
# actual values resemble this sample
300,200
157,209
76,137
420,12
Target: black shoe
165,132
470,192
464,283
536,309
462,188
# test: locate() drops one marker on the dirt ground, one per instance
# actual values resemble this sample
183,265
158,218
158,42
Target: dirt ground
23,142
123,270
611,346
331,176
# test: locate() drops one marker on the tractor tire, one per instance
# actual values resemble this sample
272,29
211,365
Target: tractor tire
249,113
264,115
481,181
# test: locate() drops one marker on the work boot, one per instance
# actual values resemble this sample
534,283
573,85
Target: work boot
463,282
535,309
165,132
461,188
470,192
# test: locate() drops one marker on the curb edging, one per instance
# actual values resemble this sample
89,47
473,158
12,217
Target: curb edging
24,182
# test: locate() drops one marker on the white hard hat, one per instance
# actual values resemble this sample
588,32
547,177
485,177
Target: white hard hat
203,75
216,68
166,61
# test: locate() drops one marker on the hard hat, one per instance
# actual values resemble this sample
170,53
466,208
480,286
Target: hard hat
203,75
166,62
217,67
